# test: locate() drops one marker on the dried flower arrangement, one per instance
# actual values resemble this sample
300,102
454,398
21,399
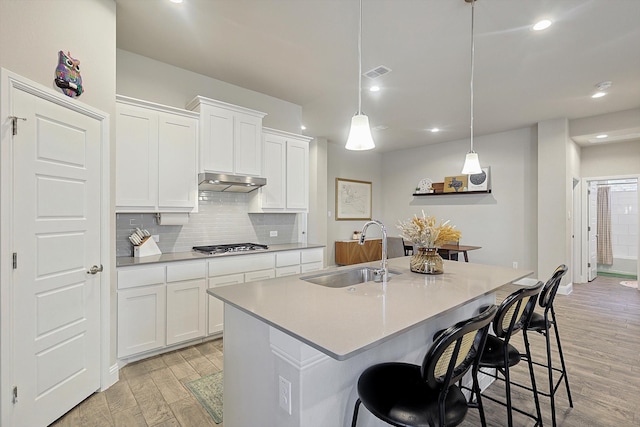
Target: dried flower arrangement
423,231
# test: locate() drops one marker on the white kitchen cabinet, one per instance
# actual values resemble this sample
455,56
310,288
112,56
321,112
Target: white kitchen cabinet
186,301
216,307
186,310
230,137
141,319
156,157
286,168
311,260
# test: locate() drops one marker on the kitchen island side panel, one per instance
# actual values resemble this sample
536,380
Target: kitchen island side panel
323,389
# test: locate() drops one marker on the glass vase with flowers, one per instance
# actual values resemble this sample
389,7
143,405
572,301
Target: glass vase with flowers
427,235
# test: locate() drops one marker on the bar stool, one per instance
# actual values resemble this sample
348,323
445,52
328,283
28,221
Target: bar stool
404,394
512,316
541,323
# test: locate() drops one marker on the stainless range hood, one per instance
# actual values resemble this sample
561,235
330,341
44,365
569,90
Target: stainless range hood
229,183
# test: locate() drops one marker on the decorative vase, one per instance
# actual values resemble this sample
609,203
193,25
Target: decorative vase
426,261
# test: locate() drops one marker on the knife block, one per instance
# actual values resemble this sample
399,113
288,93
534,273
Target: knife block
148,247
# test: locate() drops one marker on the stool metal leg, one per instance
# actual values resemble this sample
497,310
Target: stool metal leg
533,377
564,368
355,413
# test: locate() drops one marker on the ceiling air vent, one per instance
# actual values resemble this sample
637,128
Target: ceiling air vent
376,72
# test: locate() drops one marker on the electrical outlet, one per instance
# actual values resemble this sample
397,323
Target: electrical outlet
515,264
273,234
284,394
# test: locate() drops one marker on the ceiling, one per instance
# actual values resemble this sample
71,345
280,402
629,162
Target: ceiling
305,52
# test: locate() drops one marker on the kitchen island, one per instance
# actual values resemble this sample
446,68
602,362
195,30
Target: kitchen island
319,339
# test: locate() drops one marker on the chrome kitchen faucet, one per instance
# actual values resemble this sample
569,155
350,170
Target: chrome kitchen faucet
381,275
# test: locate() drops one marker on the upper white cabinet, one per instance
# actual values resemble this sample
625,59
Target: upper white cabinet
156,157
286,168
230,137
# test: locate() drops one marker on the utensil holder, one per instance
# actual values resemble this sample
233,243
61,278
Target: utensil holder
148,247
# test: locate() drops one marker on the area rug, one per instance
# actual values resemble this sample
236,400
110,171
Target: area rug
208,391
630,283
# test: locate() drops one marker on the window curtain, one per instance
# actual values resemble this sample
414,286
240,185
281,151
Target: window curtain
605,250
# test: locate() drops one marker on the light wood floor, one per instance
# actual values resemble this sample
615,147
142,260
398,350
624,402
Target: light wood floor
152,393
600,330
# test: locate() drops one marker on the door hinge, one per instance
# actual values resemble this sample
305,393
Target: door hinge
589,264
14,395
589,228
14,124
15,260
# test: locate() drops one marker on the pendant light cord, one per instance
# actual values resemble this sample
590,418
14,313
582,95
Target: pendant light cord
473,2
360,62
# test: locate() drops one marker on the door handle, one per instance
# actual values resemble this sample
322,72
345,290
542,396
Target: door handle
95,269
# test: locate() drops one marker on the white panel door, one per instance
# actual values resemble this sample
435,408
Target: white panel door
248,144
178,169
593,231
297,175
56,235
275,155
136,157
186,310
216,140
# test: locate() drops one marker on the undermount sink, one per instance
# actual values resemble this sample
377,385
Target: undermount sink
344,278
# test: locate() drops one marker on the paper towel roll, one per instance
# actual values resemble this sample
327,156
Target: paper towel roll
173,218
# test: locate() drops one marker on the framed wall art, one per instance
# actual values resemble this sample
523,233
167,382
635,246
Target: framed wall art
353,199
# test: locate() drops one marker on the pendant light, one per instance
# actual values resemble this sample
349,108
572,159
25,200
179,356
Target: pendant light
360,134
471,161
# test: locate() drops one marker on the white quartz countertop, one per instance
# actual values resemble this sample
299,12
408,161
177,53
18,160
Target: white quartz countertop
185,256
342,322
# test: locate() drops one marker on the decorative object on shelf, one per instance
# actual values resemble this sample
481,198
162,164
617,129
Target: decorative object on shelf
356,235
455,184
426,261
427,235
353,199
479,181
471,161
424,186
68,76
360,134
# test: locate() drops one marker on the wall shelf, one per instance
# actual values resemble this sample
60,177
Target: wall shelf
452,193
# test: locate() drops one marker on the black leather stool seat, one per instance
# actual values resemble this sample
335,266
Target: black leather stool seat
493,355
537,323
396,393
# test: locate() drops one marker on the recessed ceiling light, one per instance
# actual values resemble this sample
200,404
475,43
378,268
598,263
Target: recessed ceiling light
434,130
303,127
598,95
542,25
602,136
374,89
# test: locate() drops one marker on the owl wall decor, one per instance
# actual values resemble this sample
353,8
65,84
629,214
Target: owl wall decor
68,76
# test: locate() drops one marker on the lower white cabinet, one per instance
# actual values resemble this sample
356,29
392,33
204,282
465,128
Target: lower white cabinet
141,319
186,310
163,304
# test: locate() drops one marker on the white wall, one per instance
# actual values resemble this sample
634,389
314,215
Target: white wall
144,78
610,160
32,33
361,166
503,222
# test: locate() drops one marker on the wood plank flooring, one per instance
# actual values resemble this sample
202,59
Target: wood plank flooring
600,330
152,393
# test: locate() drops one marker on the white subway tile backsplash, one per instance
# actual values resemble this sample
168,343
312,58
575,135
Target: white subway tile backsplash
222,218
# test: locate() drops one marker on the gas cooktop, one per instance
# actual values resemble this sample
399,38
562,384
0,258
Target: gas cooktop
233,247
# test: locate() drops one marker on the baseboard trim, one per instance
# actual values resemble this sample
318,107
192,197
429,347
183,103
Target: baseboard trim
111,377
565,289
